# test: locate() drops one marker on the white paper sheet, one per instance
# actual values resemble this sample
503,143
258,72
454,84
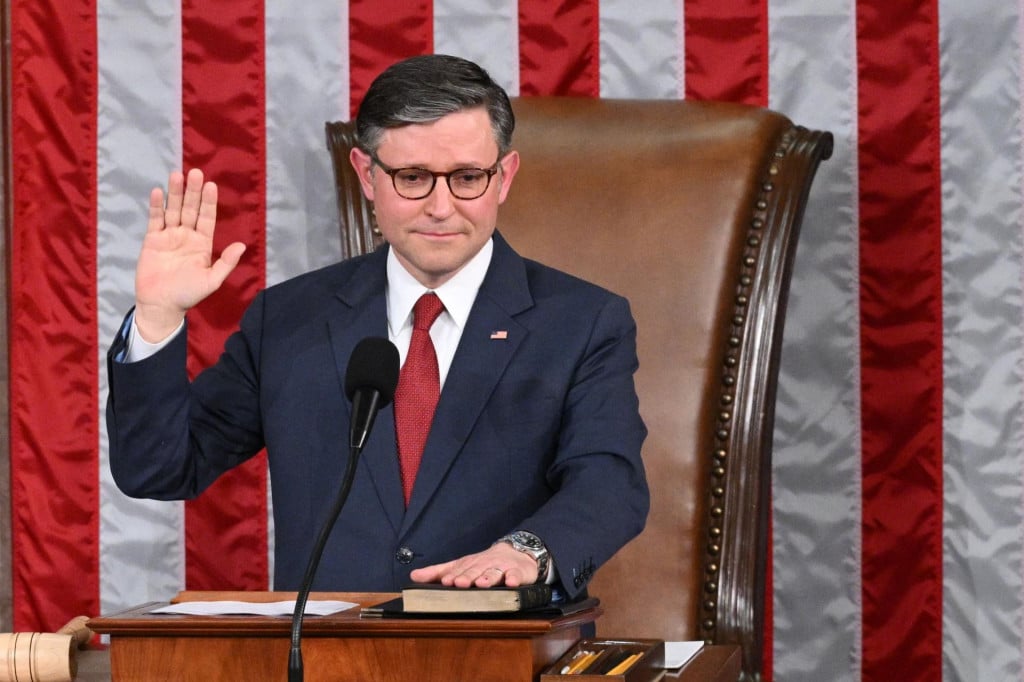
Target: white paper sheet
246,608
678,653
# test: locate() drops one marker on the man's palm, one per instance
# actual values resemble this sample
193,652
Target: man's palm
176,269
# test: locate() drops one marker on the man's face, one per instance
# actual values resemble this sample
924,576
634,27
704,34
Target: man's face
435,236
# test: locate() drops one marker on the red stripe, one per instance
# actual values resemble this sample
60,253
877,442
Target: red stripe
901,339
224,131
727,50
559,48
381,32
53,324
727,59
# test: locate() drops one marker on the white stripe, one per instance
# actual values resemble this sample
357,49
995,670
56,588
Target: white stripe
306,86
982,308
816,483
486,32
1018,450
641,49
139,141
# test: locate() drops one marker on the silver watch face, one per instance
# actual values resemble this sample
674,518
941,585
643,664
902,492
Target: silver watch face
528,540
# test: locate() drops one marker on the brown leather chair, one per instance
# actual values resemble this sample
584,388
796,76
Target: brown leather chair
691,210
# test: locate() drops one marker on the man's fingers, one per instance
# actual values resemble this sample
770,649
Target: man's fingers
175,196
156,210
223,266
514,577
207,219
192,200
490,577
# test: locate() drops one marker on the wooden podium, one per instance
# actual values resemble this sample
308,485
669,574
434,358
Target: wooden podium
341,647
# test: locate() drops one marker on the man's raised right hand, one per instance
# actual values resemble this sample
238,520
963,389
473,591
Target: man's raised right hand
176,269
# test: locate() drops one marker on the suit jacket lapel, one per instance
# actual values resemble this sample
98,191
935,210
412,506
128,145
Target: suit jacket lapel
362,313
479,363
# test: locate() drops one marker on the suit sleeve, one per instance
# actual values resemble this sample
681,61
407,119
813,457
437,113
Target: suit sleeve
602,499
171,438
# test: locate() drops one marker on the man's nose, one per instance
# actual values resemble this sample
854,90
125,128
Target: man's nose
440,203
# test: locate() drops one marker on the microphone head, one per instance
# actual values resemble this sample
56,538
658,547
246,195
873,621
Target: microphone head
373,366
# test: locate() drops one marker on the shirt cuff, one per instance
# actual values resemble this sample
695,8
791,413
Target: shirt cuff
137,348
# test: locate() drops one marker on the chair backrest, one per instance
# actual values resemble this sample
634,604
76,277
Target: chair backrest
691,210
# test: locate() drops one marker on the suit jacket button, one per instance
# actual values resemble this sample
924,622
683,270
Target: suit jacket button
404,555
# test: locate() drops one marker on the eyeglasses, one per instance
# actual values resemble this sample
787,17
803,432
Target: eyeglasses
418,183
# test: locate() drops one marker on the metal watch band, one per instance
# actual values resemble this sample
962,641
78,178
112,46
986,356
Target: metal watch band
528,543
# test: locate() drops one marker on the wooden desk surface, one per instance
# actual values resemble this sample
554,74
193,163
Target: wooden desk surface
342,646
711,664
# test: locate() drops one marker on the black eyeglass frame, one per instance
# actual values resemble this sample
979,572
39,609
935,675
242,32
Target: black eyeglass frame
434,175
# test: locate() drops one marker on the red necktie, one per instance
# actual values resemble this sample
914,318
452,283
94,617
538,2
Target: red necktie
419,387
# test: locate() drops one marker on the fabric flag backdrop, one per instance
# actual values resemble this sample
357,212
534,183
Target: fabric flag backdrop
898,506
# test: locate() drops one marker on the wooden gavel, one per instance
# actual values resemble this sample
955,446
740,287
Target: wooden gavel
43,656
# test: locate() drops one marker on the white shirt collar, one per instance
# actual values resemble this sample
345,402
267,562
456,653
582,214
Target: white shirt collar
457,294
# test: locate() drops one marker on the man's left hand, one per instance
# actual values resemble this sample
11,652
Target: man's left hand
500,564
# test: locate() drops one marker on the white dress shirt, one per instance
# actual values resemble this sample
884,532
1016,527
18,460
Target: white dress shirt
457,295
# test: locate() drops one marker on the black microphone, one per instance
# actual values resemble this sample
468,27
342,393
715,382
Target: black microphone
370,382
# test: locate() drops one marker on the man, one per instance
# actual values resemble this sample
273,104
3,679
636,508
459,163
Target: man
531,470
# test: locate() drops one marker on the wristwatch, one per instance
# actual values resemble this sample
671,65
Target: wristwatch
528,543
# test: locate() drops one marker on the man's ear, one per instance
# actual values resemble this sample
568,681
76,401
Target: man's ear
509,167
363,165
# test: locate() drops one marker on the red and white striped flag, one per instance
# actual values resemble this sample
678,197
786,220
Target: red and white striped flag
898,484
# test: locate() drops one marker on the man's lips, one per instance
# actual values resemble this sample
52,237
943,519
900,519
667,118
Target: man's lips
436,234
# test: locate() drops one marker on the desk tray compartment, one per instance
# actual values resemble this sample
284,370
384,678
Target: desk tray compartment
647,667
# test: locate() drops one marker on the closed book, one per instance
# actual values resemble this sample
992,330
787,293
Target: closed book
432,598
393,608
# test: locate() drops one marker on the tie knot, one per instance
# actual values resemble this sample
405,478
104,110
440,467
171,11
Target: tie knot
426,311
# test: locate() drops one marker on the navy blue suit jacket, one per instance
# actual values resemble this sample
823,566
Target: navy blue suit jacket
538,431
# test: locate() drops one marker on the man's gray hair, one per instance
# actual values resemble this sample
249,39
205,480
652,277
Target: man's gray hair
425,89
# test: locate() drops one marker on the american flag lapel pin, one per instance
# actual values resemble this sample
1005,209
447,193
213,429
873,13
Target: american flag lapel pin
500,335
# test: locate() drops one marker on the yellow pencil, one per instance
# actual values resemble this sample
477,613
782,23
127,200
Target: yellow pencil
582,663
576,657
624,665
